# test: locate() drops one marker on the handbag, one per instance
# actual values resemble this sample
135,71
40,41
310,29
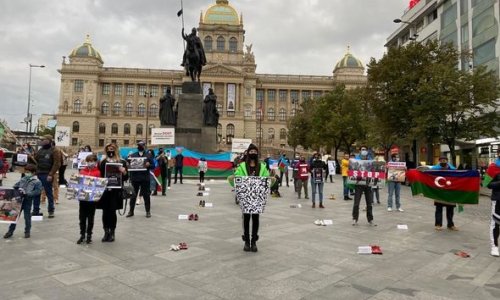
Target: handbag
127,193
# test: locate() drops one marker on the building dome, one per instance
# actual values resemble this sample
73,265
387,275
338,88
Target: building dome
349,61
221,13
86,50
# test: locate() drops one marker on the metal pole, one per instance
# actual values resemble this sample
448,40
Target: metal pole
182,16
29,103
147,95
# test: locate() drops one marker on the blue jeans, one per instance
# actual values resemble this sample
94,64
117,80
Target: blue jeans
319,187
47,186
26,208
394,187
346,188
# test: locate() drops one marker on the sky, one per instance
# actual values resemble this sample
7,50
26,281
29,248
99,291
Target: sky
288,36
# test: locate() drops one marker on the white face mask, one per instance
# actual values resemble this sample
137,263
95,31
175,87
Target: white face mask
364,153
91,164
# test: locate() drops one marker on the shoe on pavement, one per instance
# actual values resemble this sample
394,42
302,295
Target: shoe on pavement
317,222
494,251
401,210
51,214
314,205
371,223
8,234
27,235
389,209
130,214
354,222
453,228
148,215
438,228
321,206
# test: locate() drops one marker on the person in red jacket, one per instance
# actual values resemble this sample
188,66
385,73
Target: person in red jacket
87,208
302,176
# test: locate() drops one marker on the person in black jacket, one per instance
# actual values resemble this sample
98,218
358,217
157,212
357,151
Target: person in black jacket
179,163
495,204
163,164
318,170
141,179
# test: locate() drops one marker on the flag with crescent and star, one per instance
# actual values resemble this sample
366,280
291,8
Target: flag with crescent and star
446,186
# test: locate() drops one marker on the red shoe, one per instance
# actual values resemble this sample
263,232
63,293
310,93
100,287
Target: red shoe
183,246
196,217
191,217
376,250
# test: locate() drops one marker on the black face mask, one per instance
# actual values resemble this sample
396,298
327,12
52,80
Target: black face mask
253,156
110,153
443,164
140,148
46,146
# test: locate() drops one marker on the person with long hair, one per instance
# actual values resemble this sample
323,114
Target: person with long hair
112,199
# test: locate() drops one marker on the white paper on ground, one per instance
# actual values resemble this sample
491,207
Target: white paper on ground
364,250
207,204
328,222
183,217
36,218
206,194
207,189
403,226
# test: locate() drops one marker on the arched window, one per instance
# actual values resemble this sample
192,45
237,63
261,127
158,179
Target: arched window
117,107
153,110
270,133
229,133
233,44
282,114
208,43
65,106
126,128
221,43
141,111
77,106
105,108
76,126
89,107
128,109
138,129
102,128
282,134
270,114
114,128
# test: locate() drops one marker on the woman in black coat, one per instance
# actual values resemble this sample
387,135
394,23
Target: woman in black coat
112,198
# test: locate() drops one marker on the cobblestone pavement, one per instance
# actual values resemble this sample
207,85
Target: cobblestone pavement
296,260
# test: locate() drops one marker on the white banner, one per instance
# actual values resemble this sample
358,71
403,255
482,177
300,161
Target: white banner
162,136
231,97
62,136
240,145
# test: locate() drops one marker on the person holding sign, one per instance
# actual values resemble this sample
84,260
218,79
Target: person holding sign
302,176
318,171
30,187
394,187
450,208
492,181
359,190
140,178
86,211
112,198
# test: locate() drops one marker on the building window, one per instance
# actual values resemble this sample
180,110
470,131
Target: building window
151,129
105,108
153,110
114,128
65,106
78,86
432,16
482,22
138,129
294,95
258,113
292,114
270,114
282,134
106,88
283,95
102,128
126,129
154,91
164,89
484,53
220,43
128,109
248,112
229,133
219,133
259,95
74,142
141,110
77,106
464,34
76,126
271,95
130,89
126,142
113,141
449,16
259,135
317,94
306,95
118,89
208,43
270,134
464,6
101,142
219,107
89,107
177,91
117,107
282,114
142,90
233,44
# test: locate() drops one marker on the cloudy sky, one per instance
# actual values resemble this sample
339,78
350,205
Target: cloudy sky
288,37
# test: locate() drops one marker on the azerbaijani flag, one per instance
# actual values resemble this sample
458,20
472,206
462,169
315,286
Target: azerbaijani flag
448,187
492,171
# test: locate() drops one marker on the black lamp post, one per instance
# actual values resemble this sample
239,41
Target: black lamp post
28,115
294,102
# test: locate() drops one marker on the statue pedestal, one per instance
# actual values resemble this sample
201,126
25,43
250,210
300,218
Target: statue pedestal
190,131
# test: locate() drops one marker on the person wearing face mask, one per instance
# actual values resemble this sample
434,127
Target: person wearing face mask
30,187
450,208
112,199
302,176
492,181
170,169
86,208
295,171
318,170
250,167
48,160
359,190
141,180
394,188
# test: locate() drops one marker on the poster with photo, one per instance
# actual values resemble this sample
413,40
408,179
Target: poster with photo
331,167
396,171
137,164
21,159
252,193
366,172
86,188
11,202
81,159
114,175
231,97
62,136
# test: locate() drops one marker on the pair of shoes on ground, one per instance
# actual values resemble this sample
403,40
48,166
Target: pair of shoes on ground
319,222
320,205
193,217
439,228
131,214
346,198
82,239
371,223
202,203
181,246
9,234
376,250
332,197
399,209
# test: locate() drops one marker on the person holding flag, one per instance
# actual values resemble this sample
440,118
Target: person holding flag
491,180
450,208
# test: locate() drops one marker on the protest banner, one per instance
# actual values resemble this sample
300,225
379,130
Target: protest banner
366,172
240,145
114,175
136,164
81,159
396,171
252,193
62,136
162,136
11,202
86,188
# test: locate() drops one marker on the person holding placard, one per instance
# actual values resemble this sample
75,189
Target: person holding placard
302,176
450,208
283,165
87,208
394,187
359,190
112,198
140,177
318,170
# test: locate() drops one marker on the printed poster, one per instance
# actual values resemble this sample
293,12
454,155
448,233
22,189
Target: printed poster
11,202
81,159
86,188
62,136
252,193
240,145
206,86
137,164
21,159
331,167
163,136
114,176
396,171
231,97
366,172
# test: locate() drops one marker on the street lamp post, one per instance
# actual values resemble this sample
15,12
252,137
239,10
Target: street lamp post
260,127
147,95
294,102
28,115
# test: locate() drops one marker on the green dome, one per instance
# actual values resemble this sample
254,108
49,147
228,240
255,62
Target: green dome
86,50
349,61
221,13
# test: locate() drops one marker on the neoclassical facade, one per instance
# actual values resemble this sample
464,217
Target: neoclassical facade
111,104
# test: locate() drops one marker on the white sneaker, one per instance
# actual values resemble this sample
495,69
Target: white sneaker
494,251
400,209
317,222
389,209
354,222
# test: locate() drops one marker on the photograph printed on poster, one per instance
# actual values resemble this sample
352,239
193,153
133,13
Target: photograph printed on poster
114,175
252,193
136,164
11,202
396,171
86,188
366,172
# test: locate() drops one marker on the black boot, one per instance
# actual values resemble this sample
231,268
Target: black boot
80,240
253,245
105,238
246,239
111,235
89,239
